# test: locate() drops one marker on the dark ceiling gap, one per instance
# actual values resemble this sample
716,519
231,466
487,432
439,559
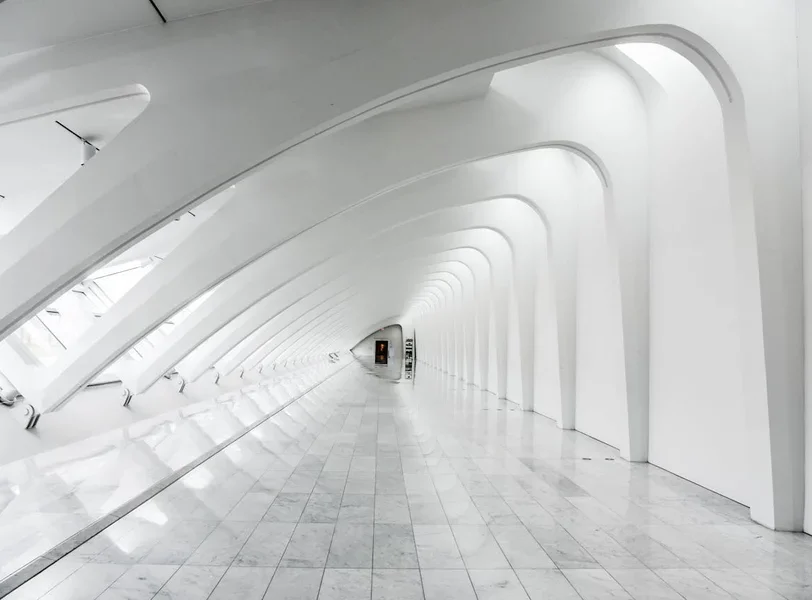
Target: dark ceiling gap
158,10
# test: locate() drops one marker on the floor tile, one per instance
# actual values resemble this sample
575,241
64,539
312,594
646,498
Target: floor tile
346,584
351,547
140,581
521,548
309,546
447,584
248,583
740,585
394,547
436,547
321,508
294,584
595,584
544,584
252,507
479,548
357,508
396,584
287,508
495,511
41,584
497,584
392,509
223,544
265,546
191,583
693,584
180,543
643,584
86,582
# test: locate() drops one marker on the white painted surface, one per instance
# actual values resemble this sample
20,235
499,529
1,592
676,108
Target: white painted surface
600,383
392,334
230,90
696,369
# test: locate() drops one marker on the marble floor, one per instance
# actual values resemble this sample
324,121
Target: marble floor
65,495
373,488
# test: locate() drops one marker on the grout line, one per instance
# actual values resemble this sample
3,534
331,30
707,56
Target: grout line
62,549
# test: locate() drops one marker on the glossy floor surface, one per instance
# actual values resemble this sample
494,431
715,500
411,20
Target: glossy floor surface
78,489
424,489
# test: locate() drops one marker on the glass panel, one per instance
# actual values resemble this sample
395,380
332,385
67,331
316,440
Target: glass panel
116,285
35,343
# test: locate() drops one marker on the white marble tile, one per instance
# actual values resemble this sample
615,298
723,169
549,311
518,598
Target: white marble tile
321,508
357,508
351,547
495,511
595,584
252,507
394,547
346,584
265,546
479,548
544,584
740,585
693,584
521,548
497,584
47,580
309,546
397,584
223,544
392,509
87,582
246,583
179,543
139,581
436,547
447,584
643,584
294,584
191,583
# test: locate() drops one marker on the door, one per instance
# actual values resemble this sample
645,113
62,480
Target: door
381,352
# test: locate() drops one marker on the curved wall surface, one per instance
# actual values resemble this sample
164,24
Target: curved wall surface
592,210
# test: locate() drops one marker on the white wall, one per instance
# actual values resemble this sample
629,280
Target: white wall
697,410
600,379
514,373
804,9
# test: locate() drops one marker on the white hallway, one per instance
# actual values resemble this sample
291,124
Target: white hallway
369,488
590,213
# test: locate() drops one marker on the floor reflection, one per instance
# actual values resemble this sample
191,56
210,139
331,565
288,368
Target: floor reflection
392,371
368,489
